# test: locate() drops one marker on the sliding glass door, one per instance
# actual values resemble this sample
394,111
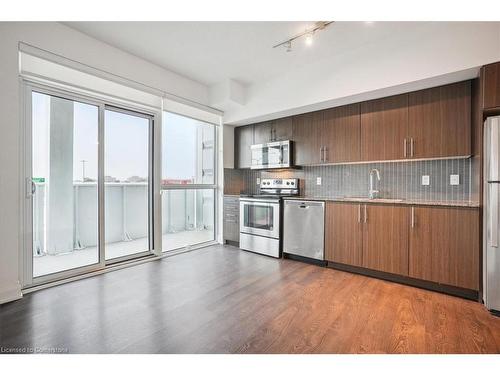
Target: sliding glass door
88,185
127,165
64,164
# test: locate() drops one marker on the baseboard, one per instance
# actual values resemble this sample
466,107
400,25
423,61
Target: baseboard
429,285
11,294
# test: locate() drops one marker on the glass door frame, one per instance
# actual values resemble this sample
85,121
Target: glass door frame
151,235
28,87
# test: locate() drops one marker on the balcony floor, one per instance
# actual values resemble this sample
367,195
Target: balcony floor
47,264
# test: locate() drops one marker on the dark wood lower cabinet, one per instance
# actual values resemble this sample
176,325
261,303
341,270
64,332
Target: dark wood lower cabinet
434,244
343,233
385,238
444,246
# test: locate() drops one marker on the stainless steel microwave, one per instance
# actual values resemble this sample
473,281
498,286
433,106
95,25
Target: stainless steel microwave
272,155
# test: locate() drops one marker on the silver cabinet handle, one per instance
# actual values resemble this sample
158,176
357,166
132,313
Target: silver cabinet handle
492,230
411,147
413,217
366,214
359,213
321,154
404,147
325,150
30,188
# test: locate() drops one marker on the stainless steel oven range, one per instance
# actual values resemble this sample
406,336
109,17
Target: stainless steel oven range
260,216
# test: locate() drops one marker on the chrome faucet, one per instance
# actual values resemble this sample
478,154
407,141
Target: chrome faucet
372,193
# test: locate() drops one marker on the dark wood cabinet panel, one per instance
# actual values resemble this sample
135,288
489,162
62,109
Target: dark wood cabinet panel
282,129
440,121
343,233
385,238
444,246
384,128
490,76
243,138
340,135
306,135
263,132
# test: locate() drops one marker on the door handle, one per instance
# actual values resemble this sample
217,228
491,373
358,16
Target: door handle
359,213
366,214
404,147
493,219
413,217
30,188
321,154
325,150
411,147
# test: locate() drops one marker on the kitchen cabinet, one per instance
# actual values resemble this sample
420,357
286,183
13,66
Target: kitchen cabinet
440,121
385,238
340,134
273,131
282,129
490,77
263,132
384,128
306,137
444,246
343,233
244,139
231,221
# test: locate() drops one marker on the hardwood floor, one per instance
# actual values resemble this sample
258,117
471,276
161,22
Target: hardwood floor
223,300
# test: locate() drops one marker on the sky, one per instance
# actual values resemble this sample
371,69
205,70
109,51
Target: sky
126,142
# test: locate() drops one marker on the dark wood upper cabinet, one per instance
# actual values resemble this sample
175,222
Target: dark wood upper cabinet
440,121
263,132
243,138
385,238
444,246
490,77
340,134
273,131
384,128
343,233
306,136
282,129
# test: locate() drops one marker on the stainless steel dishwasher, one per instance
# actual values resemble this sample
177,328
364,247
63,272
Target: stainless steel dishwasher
304,228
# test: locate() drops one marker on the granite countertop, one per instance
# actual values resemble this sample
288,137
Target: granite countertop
391,201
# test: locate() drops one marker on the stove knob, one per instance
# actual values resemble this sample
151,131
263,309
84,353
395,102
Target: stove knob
288,182
293,183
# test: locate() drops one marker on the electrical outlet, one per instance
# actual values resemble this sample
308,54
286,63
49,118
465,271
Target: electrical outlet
454,179
426,180
258,180
318,180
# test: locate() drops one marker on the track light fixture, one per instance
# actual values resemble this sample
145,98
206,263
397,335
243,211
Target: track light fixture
308,34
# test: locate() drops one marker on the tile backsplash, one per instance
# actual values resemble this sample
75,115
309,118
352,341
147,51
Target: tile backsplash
402,180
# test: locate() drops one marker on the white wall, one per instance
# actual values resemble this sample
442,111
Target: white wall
59,39
442,53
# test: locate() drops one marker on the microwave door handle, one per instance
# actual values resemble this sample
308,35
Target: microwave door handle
281,154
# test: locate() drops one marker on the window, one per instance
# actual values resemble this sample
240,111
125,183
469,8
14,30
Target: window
188,181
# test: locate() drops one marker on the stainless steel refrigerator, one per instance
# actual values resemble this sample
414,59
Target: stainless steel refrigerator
491,221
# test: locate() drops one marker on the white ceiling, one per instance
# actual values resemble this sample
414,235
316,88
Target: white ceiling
212,52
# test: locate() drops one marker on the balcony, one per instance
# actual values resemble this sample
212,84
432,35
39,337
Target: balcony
187,219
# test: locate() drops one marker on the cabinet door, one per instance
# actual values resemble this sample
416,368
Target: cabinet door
384,127
444,246
340,134
490,77
306,133
440,121
343,233
282,129
263,132
385,238
243,136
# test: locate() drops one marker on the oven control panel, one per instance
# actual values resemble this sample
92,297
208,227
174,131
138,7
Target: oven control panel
279,183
